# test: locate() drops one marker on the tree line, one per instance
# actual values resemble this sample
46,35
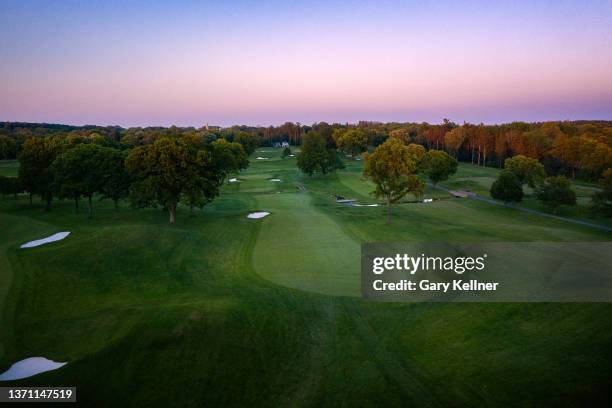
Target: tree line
163,172
541,155
576,149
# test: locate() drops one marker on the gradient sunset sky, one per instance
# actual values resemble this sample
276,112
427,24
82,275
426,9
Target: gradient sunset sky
267,62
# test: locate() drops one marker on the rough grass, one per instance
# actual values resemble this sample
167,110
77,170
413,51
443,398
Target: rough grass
223,310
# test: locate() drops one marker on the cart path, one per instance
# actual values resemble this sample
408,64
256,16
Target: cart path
477,197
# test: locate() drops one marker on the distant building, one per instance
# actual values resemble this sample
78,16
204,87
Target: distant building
207,127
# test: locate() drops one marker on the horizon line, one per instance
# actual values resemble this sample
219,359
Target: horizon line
343,123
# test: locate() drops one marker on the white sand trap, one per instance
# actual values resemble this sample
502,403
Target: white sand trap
275,180
234,180
261,158
366,205
55,237
428,200
259,214
29,367
291,155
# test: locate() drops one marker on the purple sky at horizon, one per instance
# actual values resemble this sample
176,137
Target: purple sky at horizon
149,63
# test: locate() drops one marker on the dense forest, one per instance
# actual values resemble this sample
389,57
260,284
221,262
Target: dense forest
577,149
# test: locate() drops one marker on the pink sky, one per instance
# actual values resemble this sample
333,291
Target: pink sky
249,63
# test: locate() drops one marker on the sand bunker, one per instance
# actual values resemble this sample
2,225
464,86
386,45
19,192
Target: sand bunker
275,180
55,237
259,214
261,158
29,367
234,180
352,202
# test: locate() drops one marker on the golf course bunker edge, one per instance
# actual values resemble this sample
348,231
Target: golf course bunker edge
52,238
30,366
258,214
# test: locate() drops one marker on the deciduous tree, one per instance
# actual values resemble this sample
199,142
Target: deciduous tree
555,192
35,173
8,148
80,171
439,166
168,170
248,142
529,171
228,157
115,178
392,168
602,200
352,141
315,157
507,187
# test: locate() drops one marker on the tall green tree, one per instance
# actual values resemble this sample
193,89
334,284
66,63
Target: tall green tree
439,166
602,200
204,177
67,182
419,154
327,131
392,168
315,157
248,142
229,157
529,171
8,148
507,187
351,141
35,173
79,171
168,170
115,178
554,192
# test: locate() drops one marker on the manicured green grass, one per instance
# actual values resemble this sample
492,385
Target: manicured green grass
224,310
9,168
479,179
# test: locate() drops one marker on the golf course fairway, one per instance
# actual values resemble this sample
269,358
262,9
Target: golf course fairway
222,310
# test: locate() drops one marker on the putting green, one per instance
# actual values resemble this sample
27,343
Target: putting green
303,248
